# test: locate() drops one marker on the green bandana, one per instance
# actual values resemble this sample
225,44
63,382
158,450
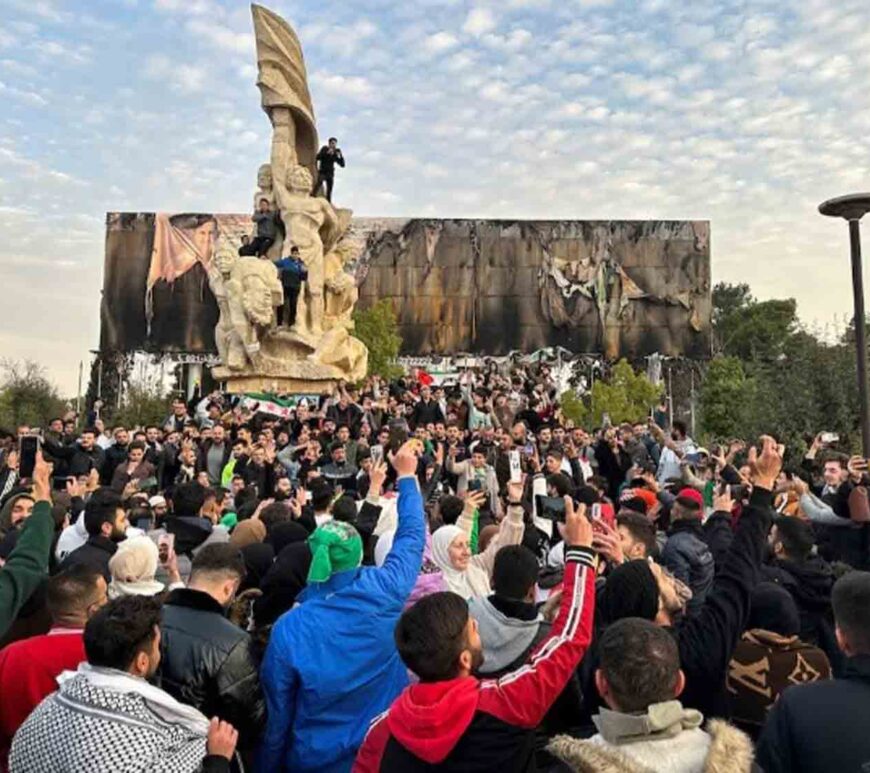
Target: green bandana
335,547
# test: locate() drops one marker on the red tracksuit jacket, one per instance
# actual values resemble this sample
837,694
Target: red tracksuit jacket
466,724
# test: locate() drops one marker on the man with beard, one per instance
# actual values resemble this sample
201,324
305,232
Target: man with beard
205,659
452,719
106,716
106,525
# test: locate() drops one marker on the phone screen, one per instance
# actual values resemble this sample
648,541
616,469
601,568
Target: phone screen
27,448
165,545
516,468
596,511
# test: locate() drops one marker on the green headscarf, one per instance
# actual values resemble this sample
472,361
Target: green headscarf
335,547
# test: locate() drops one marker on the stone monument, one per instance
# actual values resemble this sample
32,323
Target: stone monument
256,354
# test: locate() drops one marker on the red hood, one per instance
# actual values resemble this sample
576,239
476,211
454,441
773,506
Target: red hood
429,719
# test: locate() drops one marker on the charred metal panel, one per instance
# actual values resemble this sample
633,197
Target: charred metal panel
623,288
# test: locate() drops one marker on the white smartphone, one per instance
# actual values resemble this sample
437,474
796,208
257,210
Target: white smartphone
516,467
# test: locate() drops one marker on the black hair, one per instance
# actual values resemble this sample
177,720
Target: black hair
680,426
90,430
336,446
136,444
220,558
273,514
345,510
321,494
72,590
514,572
120,630
101,508
796,537
555,452
640,528
850,599
640,662
187,499
561,483
332,139
431,635
450,507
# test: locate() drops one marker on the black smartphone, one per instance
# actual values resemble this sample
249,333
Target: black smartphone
28,446
59,484
399,433
475,484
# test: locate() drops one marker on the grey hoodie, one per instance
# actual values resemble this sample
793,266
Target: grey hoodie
504,639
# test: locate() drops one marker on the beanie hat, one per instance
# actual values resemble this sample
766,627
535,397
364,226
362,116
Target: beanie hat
773,608
631,590
335,547
692,498
634,503
247,533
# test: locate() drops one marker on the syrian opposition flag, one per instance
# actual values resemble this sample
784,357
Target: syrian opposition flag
271,404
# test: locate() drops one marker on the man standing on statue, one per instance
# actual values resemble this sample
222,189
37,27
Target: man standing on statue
267,220
327,158
293,274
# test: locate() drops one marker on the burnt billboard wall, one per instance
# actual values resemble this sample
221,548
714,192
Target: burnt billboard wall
621,288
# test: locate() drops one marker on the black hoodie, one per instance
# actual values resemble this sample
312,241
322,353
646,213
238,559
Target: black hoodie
809,583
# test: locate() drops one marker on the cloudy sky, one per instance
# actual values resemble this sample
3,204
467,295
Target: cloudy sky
744,112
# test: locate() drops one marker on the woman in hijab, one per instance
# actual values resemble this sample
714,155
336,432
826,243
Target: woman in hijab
464,573
133,568
430,579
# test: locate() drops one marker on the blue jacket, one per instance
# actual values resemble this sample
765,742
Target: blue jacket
332,665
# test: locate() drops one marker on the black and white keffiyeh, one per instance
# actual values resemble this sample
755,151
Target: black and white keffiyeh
106,721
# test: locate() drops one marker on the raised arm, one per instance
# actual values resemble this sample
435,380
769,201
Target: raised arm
27,564
707,640
397,576
524,696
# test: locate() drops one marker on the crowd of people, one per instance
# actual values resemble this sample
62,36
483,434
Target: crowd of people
404,576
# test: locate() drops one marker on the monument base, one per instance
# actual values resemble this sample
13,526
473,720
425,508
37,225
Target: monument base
275,385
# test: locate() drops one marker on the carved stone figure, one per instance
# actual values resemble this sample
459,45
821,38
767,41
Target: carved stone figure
264,186
253,293
318,350
311,222
228,343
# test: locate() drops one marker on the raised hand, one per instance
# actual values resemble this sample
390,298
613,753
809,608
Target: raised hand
515,490
723,502
605,539
474,500
578,528
377,477
42,479
405,459
766,466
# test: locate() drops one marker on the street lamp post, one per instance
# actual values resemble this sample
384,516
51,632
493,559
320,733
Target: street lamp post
853,208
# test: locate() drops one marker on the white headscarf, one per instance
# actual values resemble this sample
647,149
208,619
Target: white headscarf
133,568
456,580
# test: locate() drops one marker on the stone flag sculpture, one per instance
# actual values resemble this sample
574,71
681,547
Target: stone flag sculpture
317,350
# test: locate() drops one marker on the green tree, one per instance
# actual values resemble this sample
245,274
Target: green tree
27,396
624,396
142,404
378,328
750,329
726,399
